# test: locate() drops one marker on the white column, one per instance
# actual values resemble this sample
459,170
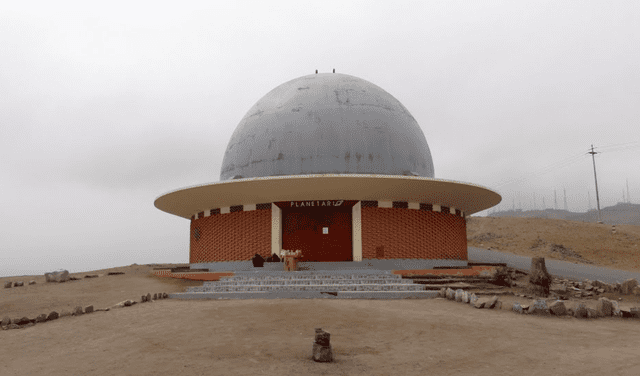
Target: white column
276,230
356,231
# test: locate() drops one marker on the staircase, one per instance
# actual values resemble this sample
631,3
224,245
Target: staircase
327,284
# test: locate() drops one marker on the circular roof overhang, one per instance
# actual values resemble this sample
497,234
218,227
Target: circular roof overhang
469,198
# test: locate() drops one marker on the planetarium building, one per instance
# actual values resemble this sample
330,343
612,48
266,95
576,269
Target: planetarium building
334,166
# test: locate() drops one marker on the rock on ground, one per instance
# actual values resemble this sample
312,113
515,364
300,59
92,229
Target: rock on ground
60,275
7,285
627,286
581,311
6,321
18,284
88,309
52,316
165,295
442,293
65,313
539,307
77,311
558,308
604,307
149,297
41,318
458,295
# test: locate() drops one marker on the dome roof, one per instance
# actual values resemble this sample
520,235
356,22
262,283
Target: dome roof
327,123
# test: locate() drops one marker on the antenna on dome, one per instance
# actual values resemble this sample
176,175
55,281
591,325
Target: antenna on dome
334,70
316,71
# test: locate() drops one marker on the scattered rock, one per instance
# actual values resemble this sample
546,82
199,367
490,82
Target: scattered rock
143,299
91,276
41,318
32,282
450,294
441,294
6,321
128,303
479,303
21,321
604,307
13,326
18,284
581,311
77,311
558,308
155,296
539,307
627,286
472,299
115,273
148,297
592,313
517,308
491,303
321,351
28,325
7,285
465,297
458,295
635,312
52,316
165,295
60,275
65,313
88,309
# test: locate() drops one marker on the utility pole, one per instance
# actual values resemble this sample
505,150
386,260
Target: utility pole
535,207
593,153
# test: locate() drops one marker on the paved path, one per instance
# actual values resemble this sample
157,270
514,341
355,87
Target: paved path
558,268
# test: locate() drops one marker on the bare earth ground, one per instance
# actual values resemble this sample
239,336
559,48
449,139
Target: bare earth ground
274,337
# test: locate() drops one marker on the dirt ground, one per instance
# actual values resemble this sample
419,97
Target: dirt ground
558,239
369,337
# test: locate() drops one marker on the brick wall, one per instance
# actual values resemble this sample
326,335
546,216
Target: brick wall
414,234
236,236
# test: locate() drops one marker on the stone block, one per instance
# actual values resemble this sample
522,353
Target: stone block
41,318
7,285
18,284
627,286
458,295
60,275
32,282
558,308
6,321
442,293
539,307
77,311
88,309
581,311
604,307
165,295
52,316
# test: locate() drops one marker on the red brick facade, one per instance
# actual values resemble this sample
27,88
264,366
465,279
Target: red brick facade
236,236
387,233
390,233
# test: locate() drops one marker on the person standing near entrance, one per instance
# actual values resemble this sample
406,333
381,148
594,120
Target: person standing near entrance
291,260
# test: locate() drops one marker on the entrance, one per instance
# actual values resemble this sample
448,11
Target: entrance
321,233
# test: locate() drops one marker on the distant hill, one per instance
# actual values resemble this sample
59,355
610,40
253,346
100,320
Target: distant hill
619,214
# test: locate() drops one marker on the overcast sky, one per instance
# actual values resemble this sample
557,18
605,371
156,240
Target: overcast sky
105,108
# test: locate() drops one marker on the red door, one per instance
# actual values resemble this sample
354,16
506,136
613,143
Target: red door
322,234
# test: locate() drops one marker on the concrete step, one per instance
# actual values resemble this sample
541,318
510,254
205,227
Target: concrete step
354,287
270,277
308,295
293,282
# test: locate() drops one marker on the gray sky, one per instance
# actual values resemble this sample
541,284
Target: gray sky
104,108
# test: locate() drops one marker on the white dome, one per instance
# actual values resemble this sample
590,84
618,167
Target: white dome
327,123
